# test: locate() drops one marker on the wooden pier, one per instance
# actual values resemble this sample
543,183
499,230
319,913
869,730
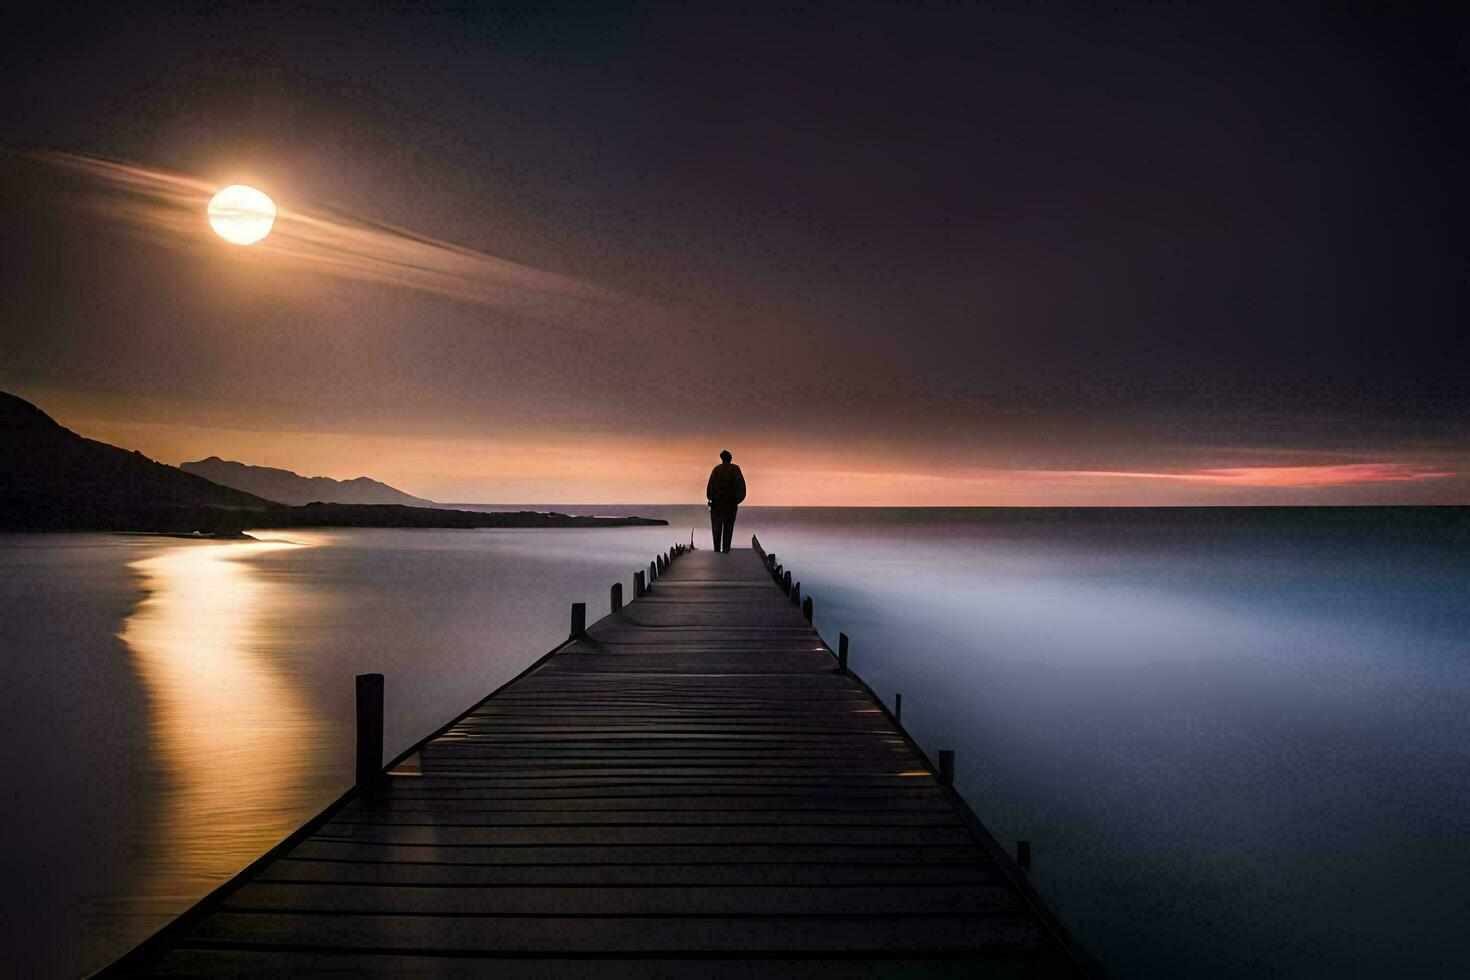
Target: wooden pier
692,785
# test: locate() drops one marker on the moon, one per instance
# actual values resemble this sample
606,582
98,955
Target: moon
241,215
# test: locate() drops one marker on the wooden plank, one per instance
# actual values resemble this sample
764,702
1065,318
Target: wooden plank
449,788
514,745
350,850
609,835
635,725
613,900
459,816
572,807
477,787
624,934
747,874
712,751
264,962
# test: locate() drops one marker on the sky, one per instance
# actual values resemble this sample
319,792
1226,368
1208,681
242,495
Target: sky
886,254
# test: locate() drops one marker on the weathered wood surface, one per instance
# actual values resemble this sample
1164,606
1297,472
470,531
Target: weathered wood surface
691,787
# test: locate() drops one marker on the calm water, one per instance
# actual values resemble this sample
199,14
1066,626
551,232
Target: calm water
1240,742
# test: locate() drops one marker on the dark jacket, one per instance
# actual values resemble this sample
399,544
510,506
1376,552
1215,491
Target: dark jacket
726,487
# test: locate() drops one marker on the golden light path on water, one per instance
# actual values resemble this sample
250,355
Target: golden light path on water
226,723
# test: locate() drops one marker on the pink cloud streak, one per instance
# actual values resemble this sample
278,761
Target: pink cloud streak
1276,476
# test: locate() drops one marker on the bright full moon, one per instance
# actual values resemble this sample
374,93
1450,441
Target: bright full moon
241,214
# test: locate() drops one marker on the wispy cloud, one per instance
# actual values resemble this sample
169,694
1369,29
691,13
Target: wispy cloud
1271,476
172,207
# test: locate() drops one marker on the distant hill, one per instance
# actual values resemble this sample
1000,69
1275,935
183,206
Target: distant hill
285,487
52,479
396,515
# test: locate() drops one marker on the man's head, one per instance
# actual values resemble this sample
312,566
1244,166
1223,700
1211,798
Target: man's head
725,456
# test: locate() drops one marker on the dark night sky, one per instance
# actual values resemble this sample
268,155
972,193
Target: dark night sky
917,254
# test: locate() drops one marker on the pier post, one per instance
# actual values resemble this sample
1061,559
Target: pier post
579,620
639,585
652,572
842,652
617,596
946,766
786,583
1023,854
806,608
795,593
898,707
369,732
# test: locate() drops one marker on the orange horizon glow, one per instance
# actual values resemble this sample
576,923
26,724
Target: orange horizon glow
569,468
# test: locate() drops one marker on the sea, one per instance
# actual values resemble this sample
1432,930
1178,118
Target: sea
1238,739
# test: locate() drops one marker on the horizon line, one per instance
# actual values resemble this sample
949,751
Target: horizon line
1348,506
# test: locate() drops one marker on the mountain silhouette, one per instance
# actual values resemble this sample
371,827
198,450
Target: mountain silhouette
52,479
286,487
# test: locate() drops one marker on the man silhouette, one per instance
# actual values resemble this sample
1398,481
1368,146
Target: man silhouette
725,490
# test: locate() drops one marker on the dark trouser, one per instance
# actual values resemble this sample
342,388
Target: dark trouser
722,526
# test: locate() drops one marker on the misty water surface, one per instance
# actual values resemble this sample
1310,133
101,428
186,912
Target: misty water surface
1240,742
